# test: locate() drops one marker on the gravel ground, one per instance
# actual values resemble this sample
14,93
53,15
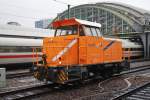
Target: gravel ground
138,80
136,64
95,91
99,90
22,82
17,71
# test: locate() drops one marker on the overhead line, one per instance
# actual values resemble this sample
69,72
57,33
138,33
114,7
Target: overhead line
62,2
40,11
18,15
25,17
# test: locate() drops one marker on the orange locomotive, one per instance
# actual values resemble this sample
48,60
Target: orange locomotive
78,52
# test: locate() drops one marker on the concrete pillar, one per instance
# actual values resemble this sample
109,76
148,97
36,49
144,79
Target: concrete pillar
2,77
146,42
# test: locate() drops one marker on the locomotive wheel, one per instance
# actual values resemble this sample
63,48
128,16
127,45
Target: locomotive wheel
117,69
107,73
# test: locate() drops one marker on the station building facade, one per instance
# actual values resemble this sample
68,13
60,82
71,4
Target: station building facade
43,23
114,17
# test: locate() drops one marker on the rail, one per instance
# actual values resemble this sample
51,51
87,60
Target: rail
98,95
45,89
135,93
20,74
25,93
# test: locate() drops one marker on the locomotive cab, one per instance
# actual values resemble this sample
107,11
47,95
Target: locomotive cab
78,30
78,52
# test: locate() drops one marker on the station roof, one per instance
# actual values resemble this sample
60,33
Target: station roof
134,16
74,21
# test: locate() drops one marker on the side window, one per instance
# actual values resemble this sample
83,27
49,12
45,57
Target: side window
68,32
93,31
63,32
87,31
98,31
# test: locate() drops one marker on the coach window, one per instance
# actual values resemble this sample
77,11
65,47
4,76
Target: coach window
93,31
87,31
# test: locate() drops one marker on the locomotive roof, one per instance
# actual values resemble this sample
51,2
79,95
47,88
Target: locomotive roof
74,21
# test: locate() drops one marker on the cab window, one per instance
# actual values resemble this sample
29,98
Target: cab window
58,32
81,31
93,31
66,30
88,31
98,31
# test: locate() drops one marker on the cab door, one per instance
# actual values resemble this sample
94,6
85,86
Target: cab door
90,46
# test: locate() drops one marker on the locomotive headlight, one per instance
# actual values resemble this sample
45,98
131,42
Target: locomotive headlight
59,62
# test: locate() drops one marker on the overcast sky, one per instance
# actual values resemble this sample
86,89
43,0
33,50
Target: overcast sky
27,11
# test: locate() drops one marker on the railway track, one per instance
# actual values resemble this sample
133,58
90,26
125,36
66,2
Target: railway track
132,70
139,60
27,92
97,96
20,74
138,93
30,92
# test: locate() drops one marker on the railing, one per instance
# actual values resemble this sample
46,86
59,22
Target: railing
35,56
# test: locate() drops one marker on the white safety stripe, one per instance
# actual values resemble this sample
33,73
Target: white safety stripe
64,50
